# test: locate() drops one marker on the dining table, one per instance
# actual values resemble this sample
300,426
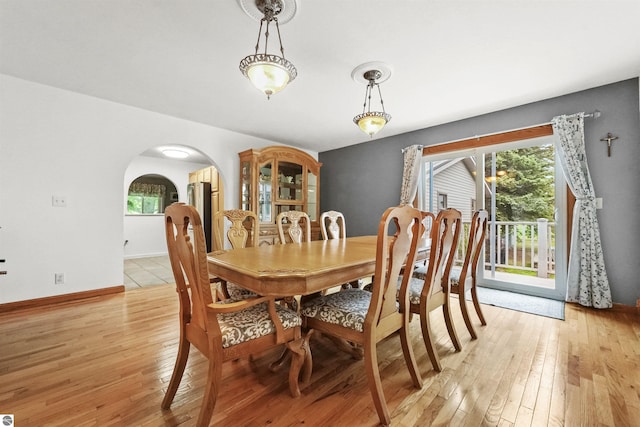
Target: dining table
291,271
296,269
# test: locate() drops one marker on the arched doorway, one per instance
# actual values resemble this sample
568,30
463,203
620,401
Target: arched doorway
145,254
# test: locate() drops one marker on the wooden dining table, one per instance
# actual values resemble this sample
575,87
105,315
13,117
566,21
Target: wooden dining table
297,268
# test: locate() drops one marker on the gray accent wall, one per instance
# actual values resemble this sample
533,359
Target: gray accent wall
363,180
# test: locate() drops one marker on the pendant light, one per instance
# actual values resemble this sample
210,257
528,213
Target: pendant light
371,122
269,73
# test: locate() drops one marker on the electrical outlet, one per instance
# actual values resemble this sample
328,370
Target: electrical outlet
59,201
59,279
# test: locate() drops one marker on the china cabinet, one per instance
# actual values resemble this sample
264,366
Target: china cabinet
278,179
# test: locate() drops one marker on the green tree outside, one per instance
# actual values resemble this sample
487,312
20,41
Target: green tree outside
524,183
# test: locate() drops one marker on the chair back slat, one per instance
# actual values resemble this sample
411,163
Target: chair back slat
445,232
244,229
336,227
477,234
295,233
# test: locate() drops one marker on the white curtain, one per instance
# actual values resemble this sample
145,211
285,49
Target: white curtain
587,282
412,158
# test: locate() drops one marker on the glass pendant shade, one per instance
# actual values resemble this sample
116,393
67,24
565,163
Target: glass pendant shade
267,76
372,122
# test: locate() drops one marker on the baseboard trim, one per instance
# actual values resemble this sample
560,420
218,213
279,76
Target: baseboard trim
626,308
57,299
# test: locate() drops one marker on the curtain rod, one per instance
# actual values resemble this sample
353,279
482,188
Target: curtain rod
542,129
596,114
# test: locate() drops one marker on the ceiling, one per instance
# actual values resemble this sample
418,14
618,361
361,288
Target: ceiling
449,59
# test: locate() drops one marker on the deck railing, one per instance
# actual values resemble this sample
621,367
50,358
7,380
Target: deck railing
517,245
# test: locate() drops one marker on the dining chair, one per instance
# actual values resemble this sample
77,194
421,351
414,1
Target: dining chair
425,295
220,331
243,231
424,243
463,278
294,233
366,318
333,225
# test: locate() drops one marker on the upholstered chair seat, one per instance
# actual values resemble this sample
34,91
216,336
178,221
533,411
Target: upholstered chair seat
253,322
454,276
347,308
415,289
238,292
416,283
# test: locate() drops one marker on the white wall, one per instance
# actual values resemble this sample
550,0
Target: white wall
56,142
144,234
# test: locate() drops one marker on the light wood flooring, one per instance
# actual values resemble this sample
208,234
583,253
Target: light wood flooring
106,361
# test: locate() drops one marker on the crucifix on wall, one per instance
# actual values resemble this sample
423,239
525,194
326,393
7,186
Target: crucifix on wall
608,140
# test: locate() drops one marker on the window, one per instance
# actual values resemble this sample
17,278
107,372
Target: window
442,201
149,195
517,182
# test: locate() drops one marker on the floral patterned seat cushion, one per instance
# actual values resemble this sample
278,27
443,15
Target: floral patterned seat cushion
416,283
421,273
347,308
253,322
415,289
238,292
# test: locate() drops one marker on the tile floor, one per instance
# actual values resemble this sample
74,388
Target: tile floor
139,272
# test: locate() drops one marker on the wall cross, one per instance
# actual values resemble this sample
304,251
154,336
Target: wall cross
608,140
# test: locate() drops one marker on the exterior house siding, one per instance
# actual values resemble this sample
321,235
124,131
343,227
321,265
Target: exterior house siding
458,184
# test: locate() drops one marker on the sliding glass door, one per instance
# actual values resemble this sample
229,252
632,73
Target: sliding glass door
521,186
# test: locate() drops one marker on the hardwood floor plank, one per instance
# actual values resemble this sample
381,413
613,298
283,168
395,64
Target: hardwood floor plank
524,417
528,339
588,412
604,414
559,381
107,361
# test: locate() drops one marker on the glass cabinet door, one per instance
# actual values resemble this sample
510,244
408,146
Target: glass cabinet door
312,196
288,189
245,186
264,193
